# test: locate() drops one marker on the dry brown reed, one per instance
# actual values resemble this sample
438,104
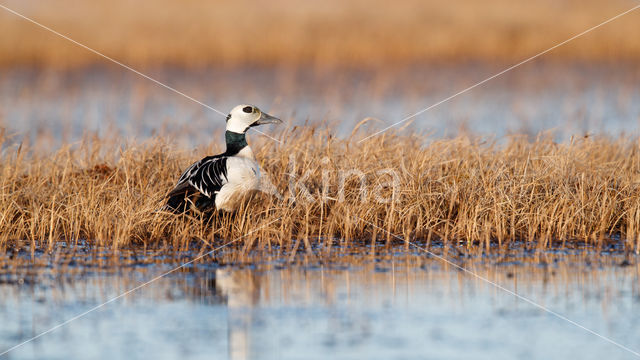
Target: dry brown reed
356,32
538,193
483,194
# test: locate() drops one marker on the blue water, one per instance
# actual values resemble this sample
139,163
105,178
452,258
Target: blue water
566,99
372,310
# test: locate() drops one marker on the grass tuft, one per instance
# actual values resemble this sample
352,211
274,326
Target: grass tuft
326,191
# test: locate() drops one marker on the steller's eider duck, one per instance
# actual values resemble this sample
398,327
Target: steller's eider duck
218,182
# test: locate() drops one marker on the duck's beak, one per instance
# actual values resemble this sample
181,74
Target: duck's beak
266,119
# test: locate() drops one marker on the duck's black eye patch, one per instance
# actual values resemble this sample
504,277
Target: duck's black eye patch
228,117
247,109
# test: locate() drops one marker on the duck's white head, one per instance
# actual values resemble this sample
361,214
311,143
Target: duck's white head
242,117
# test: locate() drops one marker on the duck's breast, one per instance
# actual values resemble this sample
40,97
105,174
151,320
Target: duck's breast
243,176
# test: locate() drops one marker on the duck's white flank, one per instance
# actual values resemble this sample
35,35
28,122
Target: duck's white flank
243,177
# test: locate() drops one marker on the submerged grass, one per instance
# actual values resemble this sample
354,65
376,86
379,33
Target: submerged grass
326,190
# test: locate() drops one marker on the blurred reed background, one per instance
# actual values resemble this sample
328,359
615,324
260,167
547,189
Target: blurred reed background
198,33
336,61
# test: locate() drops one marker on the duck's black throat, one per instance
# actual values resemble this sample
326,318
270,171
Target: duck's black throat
235,142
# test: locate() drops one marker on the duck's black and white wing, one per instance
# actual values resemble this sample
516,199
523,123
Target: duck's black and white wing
198,185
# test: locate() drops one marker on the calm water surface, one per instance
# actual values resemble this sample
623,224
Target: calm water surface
373,309
567,99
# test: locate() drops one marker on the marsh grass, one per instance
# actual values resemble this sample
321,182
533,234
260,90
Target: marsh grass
478,193
286,32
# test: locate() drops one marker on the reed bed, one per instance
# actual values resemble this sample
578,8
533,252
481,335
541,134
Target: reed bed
323,191
285,32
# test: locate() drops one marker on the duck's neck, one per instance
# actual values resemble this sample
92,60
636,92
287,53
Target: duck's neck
237,144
